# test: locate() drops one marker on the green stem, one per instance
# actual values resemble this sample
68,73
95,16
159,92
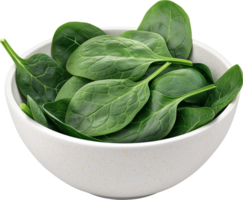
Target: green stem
204,89
26,110
176,61
156,73
10,51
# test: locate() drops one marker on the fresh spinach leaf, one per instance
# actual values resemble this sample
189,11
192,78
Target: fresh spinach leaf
172,22
114,57
241,70
189,119
106,106
37,113
184,104
227,87
39,76
157,44
56,111
153,40
204,70
26,110
69,89
155,66
154,121
183,81
69,37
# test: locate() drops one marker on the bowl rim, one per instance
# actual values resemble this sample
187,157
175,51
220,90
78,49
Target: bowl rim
77,141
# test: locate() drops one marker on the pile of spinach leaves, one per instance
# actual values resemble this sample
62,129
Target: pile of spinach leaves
136,87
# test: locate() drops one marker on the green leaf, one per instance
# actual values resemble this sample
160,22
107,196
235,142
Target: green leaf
154,121
56,111
114,57
241,70
183,81
106,106
26,110
172,22
36,112
153,40
204,70
39,76
227,88
155,66
69,89
184,104
69,37
157,44
189,119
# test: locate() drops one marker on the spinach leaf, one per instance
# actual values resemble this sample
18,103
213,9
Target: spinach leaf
114,57
39,76
184,104
69,89
241,70
170,21
204,70
26,110
153,40
189,119
155,66
106,106
227,87
37,113
157,44
154,121
56,111
69,37
183,81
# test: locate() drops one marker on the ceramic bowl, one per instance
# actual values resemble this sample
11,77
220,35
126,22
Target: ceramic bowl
122,170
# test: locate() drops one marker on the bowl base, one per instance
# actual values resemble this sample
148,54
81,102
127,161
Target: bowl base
115,198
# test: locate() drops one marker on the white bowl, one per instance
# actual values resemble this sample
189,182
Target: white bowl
122,170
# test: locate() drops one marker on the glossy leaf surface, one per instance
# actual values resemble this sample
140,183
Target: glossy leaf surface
189,119
114,57
157,44
56,111
227,87
172,22
69,89
106,106
39,76
154,121
69,37
241,70
155,66
37,113
180,82
204,70
153,40
184,104
26,110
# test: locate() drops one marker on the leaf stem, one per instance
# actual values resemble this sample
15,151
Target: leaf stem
156,73
176,61
26,110
204,89
10,51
